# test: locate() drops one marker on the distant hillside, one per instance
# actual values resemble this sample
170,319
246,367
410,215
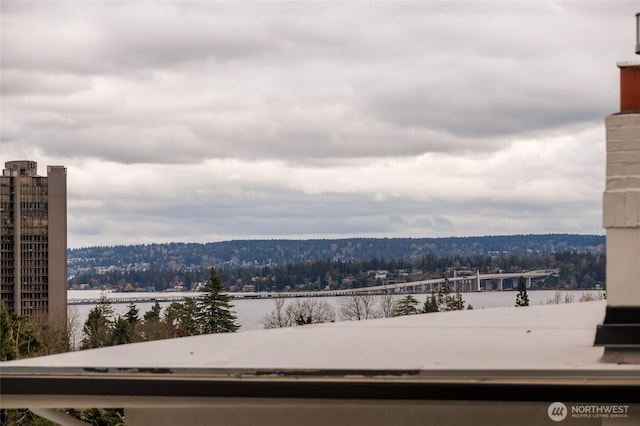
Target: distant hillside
192,256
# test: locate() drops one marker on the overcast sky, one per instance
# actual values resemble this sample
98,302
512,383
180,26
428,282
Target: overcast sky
205,121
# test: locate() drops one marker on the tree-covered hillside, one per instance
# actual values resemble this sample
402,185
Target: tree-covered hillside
319,264
194,256
583,270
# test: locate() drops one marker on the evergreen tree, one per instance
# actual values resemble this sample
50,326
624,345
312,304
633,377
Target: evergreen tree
17,338
214,308
182,318
152,328
96,330
445,301
132,314
522,299
153,314
406,306
443,297
430,304
104,304
456,303
24,337
22,417
121,333
99,416
7,348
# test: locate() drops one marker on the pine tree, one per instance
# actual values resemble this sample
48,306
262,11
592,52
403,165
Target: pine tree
406,306
7,349
431,304
132,314
444,296
182,318
444,301
153,314
214,308
17,337
104,304
522,299
96,330
455,302
152,328
121,333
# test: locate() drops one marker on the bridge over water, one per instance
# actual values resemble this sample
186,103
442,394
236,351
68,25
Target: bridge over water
463,283
467,283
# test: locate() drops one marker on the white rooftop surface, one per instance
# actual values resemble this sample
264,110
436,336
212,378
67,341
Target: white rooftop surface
529,340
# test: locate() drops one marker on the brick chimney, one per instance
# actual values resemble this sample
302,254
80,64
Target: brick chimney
629,87
620,331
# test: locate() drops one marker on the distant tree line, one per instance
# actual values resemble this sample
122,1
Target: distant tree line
577,270
194,256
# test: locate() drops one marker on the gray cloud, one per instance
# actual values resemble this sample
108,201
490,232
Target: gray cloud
315,118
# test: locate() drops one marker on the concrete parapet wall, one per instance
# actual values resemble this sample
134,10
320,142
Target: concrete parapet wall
623,267
622,120
621,207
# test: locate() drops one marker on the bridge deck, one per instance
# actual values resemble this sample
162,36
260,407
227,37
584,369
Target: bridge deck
414,286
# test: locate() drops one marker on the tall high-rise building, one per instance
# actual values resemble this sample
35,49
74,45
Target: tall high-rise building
33,238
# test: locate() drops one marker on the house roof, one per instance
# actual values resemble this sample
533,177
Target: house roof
520,353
